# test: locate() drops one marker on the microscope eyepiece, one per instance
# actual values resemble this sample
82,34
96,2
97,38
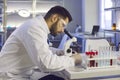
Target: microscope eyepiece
66,32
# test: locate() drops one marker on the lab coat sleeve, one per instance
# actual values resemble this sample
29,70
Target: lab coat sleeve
35,42
57,51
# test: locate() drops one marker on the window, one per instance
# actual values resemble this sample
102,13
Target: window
106,15
109,13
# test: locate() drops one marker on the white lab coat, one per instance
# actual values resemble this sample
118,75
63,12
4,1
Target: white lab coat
27,48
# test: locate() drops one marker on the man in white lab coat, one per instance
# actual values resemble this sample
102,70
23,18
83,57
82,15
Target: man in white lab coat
27,47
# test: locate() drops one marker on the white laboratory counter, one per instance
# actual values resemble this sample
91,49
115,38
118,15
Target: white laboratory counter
75,73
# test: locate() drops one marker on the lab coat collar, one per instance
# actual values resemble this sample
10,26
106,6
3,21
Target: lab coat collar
44,23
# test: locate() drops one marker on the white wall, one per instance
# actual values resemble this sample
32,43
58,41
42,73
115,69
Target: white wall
75,8
84,12
90,14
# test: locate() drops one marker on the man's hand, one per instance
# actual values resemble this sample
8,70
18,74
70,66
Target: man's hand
78,58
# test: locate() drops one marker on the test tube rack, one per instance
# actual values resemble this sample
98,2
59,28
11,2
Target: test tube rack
101,59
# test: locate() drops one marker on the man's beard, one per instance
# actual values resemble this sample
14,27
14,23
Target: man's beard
53,29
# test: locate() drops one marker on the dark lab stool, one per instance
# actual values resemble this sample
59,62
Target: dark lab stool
51,77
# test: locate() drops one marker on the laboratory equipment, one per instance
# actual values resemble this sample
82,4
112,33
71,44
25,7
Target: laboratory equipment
67,50
105,57
114,26
78,29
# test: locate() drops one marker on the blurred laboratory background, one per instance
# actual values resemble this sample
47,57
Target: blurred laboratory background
86,15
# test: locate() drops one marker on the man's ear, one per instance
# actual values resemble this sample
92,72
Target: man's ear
54,18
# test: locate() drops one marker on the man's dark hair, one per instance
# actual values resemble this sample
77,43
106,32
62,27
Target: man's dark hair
60,11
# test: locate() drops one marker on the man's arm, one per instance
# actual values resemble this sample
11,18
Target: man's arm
57,51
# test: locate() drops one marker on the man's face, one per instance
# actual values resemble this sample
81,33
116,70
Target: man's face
58,26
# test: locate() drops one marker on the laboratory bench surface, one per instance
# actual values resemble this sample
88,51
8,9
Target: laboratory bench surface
76,73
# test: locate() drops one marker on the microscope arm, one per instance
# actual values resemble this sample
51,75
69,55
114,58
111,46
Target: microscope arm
67,49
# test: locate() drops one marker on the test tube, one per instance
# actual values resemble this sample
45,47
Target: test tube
112,54
111,60
103,59
100,57
107,56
